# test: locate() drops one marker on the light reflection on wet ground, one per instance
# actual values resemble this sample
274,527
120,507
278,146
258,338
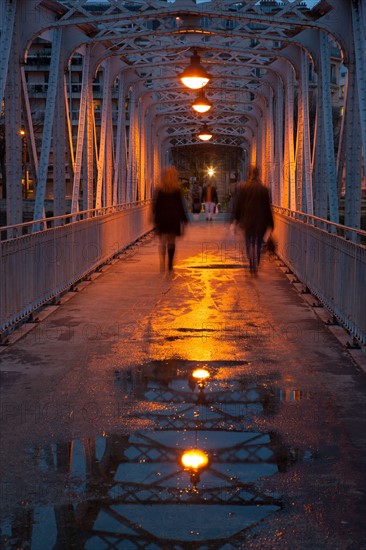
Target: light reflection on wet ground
131,490
105,426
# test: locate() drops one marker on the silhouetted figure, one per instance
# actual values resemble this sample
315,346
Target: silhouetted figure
253,213
169,214
196,199
210,199
234,200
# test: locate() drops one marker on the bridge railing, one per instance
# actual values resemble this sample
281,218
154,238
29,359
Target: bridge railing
37,266
330,260
12,231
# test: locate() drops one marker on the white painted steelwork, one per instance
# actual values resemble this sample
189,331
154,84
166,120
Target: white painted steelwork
81,130
48,126
7,19
258,54
304,192
13,143
327,259
39,266
103,136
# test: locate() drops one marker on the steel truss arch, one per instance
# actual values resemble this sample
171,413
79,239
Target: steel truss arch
138,49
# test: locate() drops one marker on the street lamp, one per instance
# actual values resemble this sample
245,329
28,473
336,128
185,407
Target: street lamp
204,134
201,103
195,76
22,132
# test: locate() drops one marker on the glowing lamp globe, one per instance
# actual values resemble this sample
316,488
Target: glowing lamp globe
195,76
204,134
201,103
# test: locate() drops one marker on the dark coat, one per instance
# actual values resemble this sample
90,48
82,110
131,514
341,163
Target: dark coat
169,212
253,210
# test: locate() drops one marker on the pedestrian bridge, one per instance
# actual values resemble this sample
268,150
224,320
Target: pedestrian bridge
38,268
100,394
95,105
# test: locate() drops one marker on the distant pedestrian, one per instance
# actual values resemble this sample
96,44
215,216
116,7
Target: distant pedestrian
196,199
169,215
234,200
210,199
253,214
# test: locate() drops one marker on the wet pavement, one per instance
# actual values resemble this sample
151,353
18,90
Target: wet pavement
101,400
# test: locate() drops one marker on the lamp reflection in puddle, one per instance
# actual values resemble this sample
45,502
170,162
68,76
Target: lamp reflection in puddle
194,461
199,377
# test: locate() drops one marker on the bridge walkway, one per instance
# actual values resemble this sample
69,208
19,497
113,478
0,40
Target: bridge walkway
95,370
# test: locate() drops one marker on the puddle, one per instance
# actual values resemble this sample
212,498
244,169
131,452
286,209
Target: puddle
133,491
8,378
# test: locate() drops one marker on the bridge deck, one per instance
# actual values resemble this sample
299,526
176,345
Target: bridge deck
97,371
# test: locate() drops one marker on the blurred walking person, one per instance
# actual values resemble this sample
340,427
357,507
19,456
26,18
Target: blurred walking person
253,214
169,215
196,200
210,199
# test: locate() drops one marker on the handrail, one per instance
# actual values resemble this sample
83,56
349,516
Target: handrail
349,233
40,266
330,260
8,232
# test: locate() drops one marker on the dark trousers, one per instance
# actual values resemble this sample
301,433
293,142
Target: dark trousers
167,245
253,243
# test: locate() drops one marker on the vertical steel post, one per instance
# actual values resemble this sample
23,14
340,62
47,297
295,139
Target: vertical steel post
124,149
117,176
6,36
353,148
108,167
149,154
88,185
264,129
253,150
289,196
81,130
103,130
140,152
47,127
327,139
156,155
270,176
319,182
58,146
13,121
278,145
132,168
359,36
259,140
304,195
